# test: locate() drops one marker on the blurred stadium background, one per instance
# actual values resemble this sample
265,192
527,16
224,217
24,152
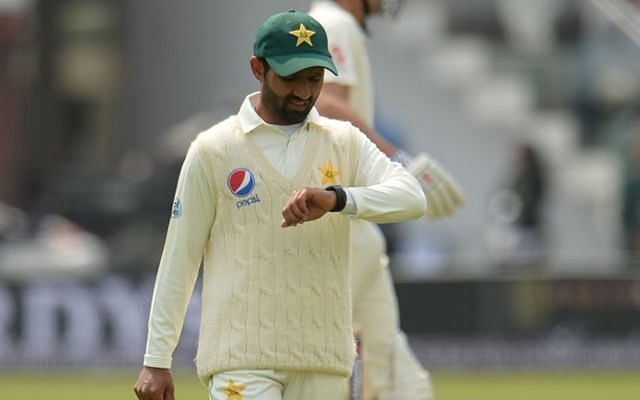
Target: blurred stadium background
533,289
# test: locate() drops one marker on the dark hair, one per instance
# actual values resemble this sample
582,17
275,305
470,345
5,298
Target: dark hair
265,64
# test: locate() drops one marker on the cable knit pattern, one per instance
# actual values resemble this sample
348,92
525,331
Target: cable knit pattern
273,297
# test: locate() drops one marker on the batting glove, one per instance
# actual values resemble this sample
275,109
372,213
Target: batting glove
443,193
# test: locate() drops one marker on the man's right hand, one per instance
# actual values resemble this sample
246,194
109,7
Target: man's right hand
154,384
307,205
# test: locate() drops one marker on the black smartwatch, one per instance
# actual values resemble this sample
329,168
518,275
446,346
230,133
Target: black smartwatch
341,197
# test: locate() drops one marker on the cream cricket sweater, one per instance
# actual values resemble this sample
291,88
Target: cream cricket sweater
274,298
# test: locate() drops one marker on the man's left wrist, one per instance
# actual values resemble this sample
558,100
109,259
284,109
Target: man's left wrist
341,197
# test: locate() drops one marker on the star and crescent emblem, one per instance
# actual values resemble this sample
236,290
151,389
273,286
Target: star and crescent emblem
303,35
329,174
233,391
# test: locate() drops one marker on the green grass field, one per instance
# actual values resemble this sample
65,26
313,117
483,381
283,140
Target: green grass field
448,386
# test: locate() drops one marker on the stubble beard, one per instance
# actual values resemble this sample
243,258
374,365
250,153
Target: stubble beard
278,108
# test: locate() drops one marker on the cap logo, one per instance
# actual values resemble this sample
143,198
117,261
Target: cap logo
303,35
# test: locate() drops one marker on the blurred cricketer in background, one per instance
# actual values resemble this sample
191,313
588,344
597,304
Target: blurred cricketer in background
265,199
390,370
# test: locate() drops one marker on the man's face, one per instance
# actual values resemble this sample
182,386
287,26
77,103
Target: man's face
289,99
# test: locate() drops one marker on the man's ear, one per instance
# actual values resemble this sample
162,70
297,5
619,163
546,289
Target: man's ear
257,68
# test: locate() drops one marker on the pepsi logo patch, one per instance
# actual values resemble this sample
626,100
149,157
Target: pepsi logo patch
241,182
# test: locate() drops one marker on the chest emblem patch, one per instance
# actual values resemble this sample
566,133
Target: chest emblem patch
241,182
329,174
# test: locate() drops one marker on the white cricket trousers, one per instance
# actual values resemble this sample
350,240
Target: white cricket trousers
390,370
269,384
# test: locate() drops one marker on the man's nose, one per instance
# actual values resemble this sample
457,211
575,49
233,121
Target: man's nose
303,89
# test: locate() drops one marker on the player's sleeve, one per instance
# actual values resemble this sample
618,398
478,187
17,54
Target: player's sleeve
342,52
187,235
384,191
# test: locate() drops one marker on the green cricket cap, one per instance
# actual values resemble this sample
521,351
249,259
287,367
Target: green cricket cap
292,41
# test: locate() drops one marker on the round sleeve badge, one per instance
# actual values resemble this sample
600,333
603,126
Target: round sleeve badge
176,210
